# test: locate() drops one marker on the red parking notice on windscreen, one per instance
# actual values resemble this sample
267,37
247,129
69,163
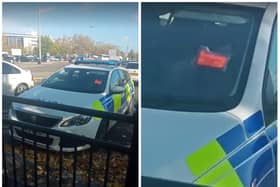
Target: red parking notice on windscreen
207,58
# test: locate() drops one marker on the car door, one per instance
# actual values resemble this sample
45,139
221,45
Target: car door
129,87
254,161
119,99
10,77
129,82
269,101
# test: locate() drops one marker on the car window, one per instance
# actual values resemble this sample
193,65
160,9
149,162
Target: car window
196,57
132,66
78,80
270,82
115,79
124,76
8,69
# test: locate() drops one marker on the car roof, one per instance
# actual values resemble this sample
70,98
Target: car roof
95,67
11,64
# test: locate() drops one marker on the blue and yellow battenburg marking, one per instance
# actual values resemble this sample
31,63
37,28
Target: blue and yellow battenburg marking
210,165
257,166
114,103
254,123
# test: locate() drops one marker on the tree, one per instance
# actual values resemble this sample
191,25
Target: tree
76,44
65,45
82,44
26,51
103,48
46,44
35,51
56,49
53,47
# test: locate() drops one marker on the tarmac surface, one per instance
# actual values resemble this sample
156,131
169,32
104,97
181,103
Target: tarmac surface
43,70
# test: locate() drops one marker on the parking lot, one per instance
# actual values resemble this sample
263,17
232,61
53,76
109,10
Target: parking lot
120,134
43,70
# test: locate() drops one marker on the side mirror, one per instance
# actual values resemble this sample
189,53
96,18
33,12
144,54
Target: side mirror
117,90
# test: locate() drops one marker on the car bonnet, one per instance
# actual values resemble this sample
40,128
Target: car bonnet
77,99
182,146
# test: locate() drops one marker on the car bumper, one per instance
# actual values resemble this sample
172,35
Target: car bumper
55,142
51,142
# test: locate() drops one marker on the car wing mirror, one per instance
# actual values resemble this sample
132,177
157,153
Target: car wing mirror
117,90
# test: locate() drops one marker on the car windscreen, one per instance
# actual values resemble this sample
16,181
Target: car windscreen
78,80
196,57
132,66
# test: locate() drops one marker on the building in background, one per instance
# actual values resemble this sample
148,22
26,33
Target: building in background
25,42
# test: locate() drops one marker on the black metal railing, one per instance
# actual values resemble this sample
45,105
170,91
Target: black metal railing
30,161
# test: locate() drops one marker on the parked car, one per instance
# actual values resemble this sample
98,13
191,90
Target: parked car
60,58
27,58
72,60
52,58
45,58
85,85
8,58
132,68
209,94
15,80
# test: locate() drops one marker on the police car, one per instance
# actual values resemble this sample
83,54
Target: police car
209,94
105,88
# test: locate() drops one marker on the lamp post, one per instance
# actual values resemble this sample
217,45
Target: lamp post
91,27
39,37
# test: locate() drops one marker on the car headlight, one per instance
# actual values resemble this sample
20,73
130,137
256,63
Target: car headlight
76,121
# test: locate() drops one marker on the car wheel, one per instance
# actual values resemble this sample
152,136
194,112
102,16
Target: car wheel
20,88
103,129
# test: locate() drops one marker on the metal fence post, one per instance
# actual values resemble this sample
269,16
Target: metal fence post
22,128
132,170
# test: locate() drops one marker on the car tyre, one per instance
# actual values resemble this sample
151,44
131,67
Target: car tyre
20,88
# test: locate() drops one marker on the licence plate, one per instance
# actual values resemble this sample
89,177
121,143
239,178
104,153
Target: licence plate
37,133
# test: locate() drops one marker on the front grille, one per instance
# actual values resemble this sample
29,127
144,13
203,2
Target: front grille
67,142
37,119
36,138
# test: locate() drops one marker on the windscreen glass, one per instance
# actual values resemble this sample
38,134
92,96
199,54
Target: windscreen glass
196,57
78,80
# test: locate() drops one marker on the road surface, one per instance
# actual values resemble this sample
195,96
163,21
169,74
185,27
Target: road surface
43,70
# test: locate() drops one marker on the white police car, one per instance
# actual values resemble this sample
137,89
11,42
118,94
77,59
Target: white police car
103,88
209,94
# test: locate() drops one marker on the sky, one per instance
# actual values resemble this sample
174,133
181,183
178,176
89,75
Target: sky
115,23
